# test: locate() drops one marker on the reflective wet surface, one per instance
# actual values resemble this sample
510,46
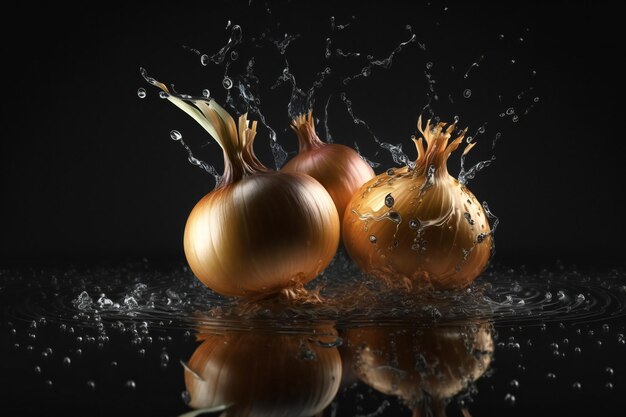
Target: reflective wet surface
147,339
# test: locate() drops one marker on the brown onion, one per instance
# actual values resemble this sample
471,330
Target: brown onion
260,231
439,360
419,226
264,373
337,167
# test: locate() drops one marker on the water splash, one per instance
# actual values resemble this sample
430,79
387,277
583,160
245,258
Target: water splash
246,95
176,136
219,57
371,163
472,66
300,101
384,63
398,156
466,175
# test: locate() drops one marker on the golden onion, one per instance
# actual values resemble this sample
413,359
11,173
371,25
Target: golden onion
263,373
418,226
260,231
337,167
408,362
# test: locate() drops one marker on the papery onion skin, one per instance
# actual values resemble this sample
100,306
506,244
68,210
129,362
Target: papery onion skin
259,232
337,167
262,234
440,360
419,227
263,374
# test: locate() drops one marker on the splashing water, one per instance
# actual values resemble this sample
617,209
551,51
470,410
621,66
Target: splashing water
474,65
384,63
398,156
219,57
176,136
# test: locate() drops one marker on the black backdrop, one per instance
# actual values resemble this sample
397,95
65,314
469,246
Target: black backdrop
88,172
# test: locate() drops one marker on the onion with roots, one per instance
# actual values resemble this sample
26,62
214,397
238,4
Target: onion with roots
259,231
418,226
337,167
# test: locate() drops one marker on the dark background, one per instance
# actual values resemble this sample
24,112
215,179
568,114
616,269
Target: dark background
88,172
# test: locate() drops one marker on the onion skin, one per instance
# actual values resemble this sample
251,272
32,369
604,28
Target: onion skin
260,232
337,167
263,374
419,227
440,360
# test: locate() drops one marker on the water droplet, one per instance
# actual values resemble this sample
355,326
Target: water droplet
366,71
560,295
429,65
163,94
577,386
204,60
605,328
551,376
536,99
234,55
372,239
514,384
186,397
515,119
513,61
67,361
130,384
141,93
129,301
609,371
501,36
91,385
509,399
414,224
580,298
174,135
467,93
391,171
389,200
468,217
510,111
577,350
37,370
227,83
206,93
48,383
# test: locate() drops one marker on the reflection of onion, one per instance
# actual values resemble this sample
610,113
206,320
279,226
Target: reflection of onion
263,374
408,362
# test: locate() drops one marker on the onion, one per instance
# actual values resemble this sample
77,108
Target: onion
260,231
263,374
440,360
338,168
418,226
